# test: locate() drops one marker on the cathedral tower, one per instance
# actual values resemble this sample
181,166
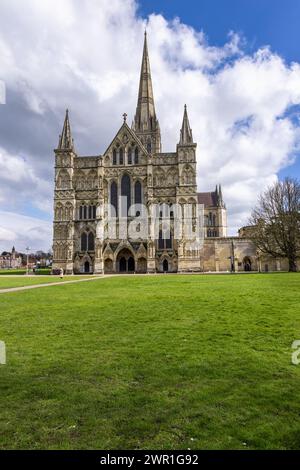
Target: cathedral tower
64,200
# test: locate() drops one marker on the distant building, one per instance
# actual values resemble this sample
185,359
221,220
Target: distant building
11,260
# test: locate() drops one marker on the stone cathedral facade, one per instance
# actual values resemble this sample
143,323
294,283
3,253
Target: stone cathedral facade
135,168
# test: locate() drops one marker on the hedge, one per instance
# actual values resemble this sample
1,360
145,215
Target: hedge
12,271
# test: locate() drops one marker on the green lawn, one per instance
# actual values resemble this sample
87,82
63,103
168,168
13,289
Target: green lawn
9,282
171,362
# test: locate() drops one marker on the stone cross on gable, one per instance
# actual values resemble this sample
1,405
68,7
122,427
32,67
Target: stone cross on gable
124,117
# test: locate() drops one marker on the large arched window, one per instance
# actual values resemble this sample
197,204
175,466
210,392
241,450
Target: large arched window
84,241
169,242
114,196
138,193
136,156
91,242
125,193
161,244
164,242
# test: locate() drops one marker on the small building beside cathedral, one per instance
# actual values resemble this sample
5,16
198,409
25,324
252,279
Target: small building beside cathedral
134,169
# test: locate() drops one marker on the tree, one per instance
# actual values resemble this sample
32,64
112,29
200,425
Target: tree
276,221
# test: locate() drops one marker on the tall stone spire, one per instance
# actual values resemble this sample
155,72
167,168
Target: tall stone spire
186,135
65,139
145,123
220,196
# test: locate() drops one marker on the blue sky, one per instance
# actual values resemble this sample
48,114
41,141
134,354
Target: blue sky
274,23
263,22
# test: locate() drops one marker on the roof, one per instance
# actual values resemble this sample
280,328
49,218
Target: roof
208,199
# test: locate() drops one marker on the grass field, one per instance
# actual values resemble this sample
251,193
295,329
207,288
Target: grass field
170,362
10,282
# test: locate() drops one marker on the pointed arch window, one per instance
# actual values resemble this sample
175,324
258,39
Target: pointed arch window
212,233
84,241
129,158
211,219
91,242
149,146
161,241
138,193
136,156
85,212
126,193
114,196
169,242
114,157
121,156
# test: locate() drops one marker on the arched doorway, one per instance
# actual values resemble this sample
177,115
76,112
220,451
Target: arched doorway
247,263
125,261
123,265
86,267
131,265
165,266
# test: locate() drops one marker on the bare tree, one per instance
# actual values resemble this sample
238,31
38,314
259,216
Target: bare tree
276,221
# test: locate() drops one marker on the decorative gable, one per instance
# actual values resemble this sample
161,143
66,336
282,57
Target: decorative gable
126,139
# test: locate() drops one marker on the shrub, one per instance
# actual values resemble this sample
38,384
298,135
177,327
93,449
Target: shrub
43,271
12,271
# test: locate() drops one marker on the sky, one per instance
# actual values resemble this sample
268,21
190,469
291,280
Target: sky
235,63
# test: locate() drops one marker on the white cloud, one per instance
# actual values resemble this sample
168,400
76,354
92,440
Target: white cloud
19,183
7,235
86,55
24,231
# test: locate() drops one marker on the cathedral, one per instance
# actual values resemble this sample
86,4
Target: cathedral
134,169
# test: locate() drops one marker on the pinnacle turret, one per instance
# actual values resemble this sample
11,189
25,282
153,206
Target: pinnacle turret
65,139
220,196
186,135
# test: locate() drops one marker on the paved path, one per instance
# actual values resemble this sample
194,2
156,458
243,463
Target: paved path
104,276
35,286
